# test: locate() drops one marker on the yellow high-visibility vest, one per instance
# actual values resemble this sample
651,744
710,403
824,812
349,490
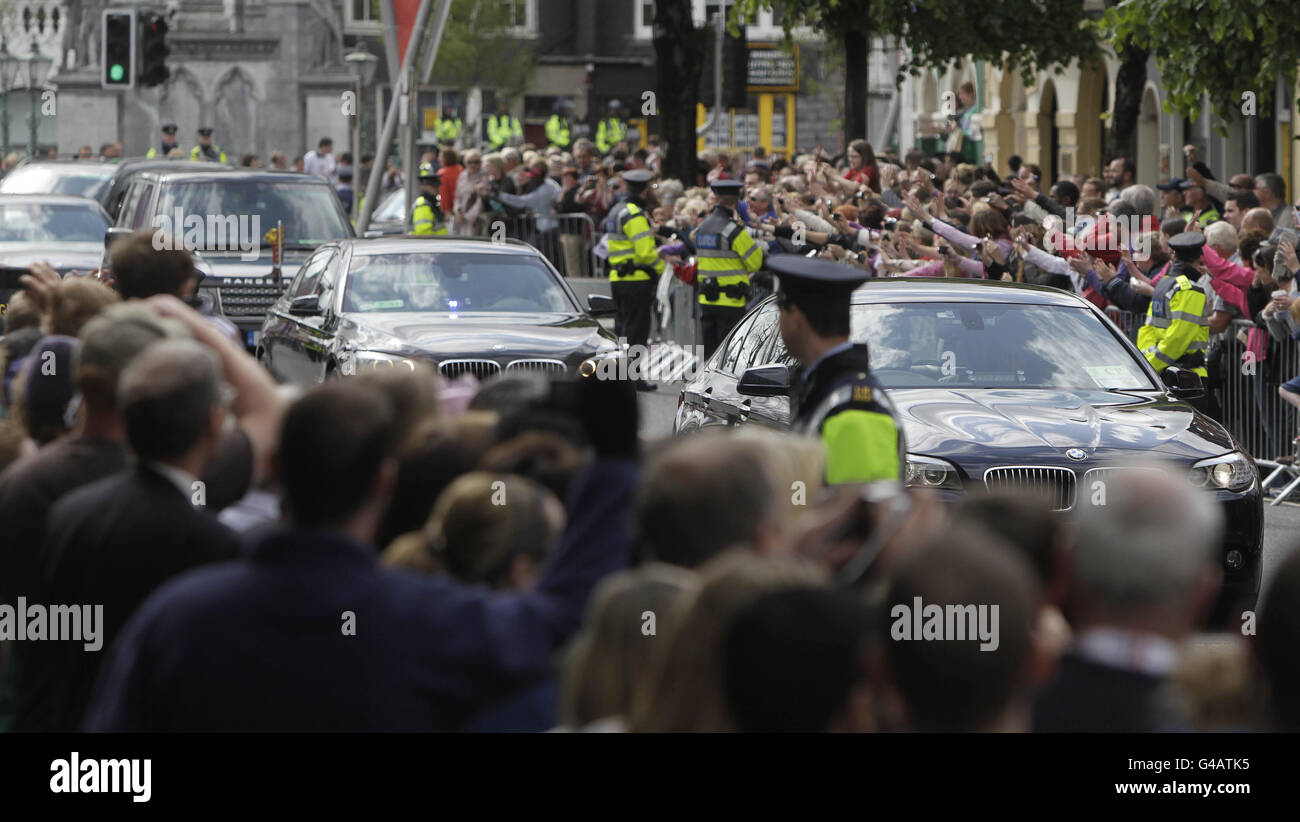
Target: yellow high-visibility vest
631,242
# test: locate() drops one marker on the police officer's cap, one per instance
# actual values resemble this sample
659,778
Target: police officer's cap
637,177
206,131
809,279
170,128
428,172
1175,184
726,186
1187,246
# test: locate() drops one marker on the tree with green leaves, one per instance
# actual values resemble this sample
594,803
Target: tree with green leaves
477,49
1025,35
1232,51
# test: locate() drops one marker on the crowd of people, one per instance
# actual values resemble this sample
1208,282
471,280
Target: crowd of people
1105,238
390,552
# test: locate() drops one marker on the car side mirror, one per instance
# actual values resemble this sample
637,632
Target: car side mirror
765,381
113,232
601,305
1184,383
307,305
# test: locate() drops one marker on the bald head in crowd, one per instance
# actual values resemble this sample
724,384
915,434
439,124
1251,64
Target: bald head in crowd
1259,218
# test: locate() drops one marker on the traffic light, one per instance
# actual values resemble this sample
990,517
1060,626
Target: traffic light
153,50
735,71
117,47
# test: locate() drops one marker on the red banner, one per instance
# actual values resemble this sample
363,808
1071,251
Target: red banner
404,12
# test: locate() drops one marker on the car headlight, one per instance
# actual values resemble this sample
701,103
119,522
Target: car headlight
1231,472
929,472
602,364
359,362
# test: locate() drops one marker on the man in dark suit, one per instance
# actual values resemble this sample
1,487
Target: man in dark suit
114,541
1143,578
310,633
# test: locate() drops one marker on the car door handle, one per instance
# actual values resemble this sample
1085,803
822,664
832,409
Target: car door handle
743,411
697,398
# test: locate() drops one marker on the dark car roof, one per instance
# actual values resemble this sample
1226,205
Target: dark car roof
50,199
953,289
410,242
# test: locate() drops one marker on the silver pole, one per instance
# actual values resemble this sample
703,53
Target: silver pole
390,124
410,146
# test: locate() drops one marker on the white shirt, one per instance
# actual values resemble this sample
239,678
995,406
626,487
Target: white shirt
1118,648
183,480
322,165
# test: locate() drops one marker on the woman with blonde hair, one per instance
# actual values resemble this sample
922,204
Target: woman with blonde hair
632,614
485,528
685,692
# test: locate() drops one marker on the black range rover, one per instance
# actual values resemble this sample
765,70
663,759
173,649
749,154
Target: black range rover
225,217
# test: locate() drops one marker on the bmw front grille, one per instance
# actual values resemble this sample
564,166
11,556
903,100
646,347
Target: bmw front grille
1056,484
481,369
551,368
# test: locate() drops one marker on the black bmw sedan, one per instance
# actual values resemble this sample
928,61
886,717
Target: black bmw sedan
1004,386
463,305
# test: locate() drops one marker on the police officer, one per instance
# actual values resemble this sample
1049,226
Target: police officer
168,142
426,216
634,264
610,130
726,256
837,398
1177,330
502,127
557,128
205,150
448,128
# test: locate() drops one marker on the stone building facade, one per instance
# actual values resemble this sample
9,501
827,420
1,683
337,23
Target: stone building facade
265,74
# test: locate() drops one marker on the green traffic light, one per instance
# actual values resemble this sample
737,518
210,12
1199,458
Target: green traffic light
116,72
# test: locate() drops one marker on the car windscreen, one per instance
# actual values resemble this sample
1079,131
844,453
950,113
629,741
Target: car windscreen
994,345
391,208
452,283
310,213
91,182
40,222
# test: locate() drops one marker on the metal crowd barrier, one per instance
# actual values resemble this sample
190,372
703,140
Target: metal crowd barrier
567,240
1247,391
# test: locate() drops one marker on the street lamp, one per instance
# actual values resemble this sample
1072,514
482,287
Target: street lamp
8,71
33,57
362,64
